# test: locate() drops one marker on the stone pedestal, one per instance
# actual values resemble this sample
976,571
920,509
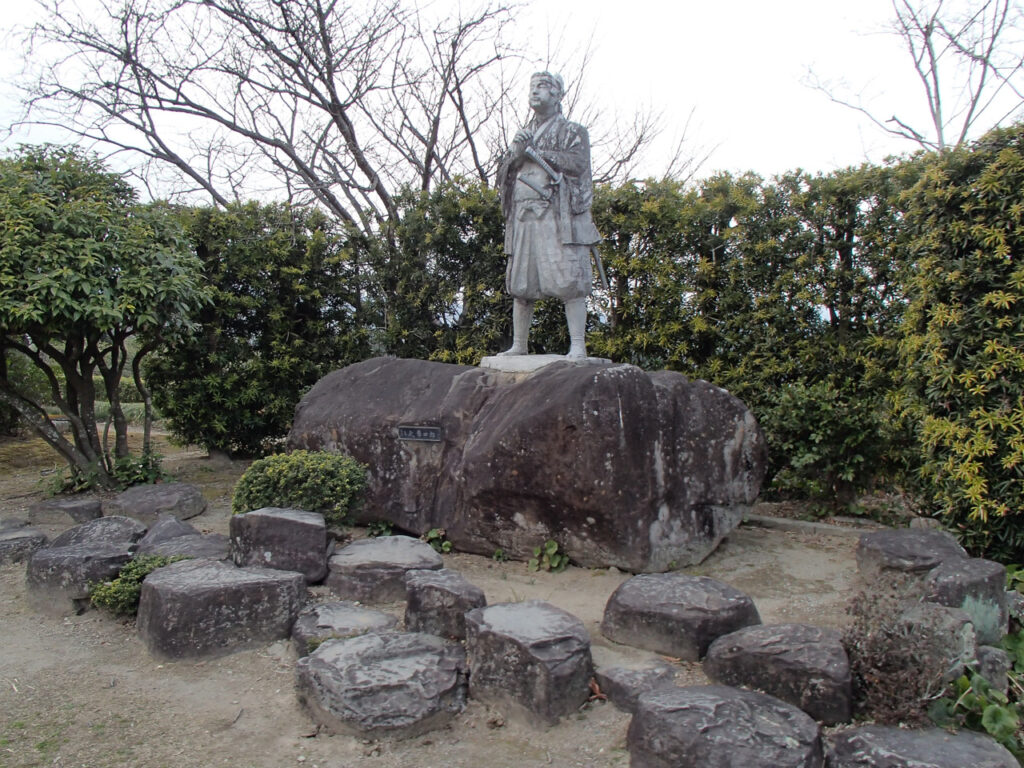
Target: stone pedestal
621,467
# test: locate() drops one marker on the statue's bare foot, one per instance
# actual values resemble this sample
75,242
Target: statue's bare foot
577,352
515,349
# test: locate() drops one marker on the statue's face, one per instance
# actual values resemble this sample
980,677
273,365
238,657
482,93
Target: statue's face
543,96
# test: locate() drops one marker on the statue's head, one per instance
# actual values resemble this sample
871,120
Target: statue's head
550,82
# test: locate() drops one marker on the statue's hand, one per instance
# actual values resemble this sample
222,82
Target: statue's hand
521,141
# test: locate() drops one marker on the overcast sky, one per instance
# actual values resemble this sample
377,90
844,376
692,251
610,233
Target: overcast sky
739,65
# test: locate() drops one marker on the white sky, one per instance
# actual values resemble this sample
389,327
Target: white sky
738,64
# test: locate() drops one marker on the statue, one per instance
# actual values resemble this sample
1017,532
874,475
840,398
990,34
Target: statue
546,194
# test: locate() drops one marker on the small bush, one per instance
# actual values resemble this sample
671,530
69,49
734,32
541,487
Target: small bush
898,671
548,558
121,596
312,480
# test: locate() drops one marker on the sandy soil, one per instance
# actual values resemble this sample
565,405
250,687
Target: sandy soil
82,690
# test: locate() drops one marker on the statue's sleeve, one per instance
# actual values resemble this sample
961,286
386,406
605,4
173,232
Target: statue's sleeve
572,156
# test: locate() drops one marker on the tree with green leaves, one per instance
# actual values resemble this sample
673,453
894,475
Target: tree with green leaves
84,269
285,311
963,340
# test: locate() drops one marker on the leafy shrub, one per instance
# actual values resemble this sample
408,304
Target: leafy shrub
143,469
823,443
121,595
328,483
961,346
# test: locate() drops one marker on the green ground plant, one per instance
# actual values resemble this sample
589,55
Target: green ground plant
546,557
120,596
435,537
329,483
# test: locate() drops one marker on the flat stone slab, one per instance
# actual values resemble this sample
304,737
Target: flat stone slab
58,578
285,539
977,587
336,621
147,502
78,509
114,531
209,546
906,550
18,544
804,665
436,602
675,614
876,746
373,570
624,681
166,527
197,608
720,727
530,659
389,684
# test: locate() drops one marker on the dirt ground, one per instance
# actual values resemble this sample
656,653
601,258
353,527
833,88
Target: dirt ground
82,691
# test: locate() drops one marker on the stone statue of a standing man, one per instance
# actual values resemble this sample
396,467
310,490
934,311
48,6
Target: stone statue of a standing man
546,194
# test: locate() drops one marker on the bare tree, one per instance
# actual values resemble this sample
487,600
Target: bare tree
341,103
969,59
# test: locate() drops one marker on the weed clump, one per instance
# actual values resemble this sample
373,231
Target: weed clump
120,596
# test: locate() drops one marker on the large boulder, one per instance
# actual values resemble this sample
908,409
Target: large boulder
643,471
387,684
197,608
115,531
716,726
148,502
675,614
876,746
804,665
530,659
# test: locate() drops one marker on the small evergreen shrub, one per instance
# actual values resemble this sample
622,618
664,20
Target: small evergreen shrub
121,595
328,483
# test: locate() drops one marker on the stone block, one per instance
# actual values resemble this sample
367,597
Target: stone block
906,550
336,621
373,570
59,511
58,578
437,602
112,531
523,458
994,665
944,635
717,726
389,684
197,608
624,680
675,614
876,746
18,544
530,659
147,502
977,587
285,539
803,665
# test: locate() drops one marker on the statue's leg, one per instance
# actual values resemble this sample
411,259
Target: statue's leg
576,317
522,316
